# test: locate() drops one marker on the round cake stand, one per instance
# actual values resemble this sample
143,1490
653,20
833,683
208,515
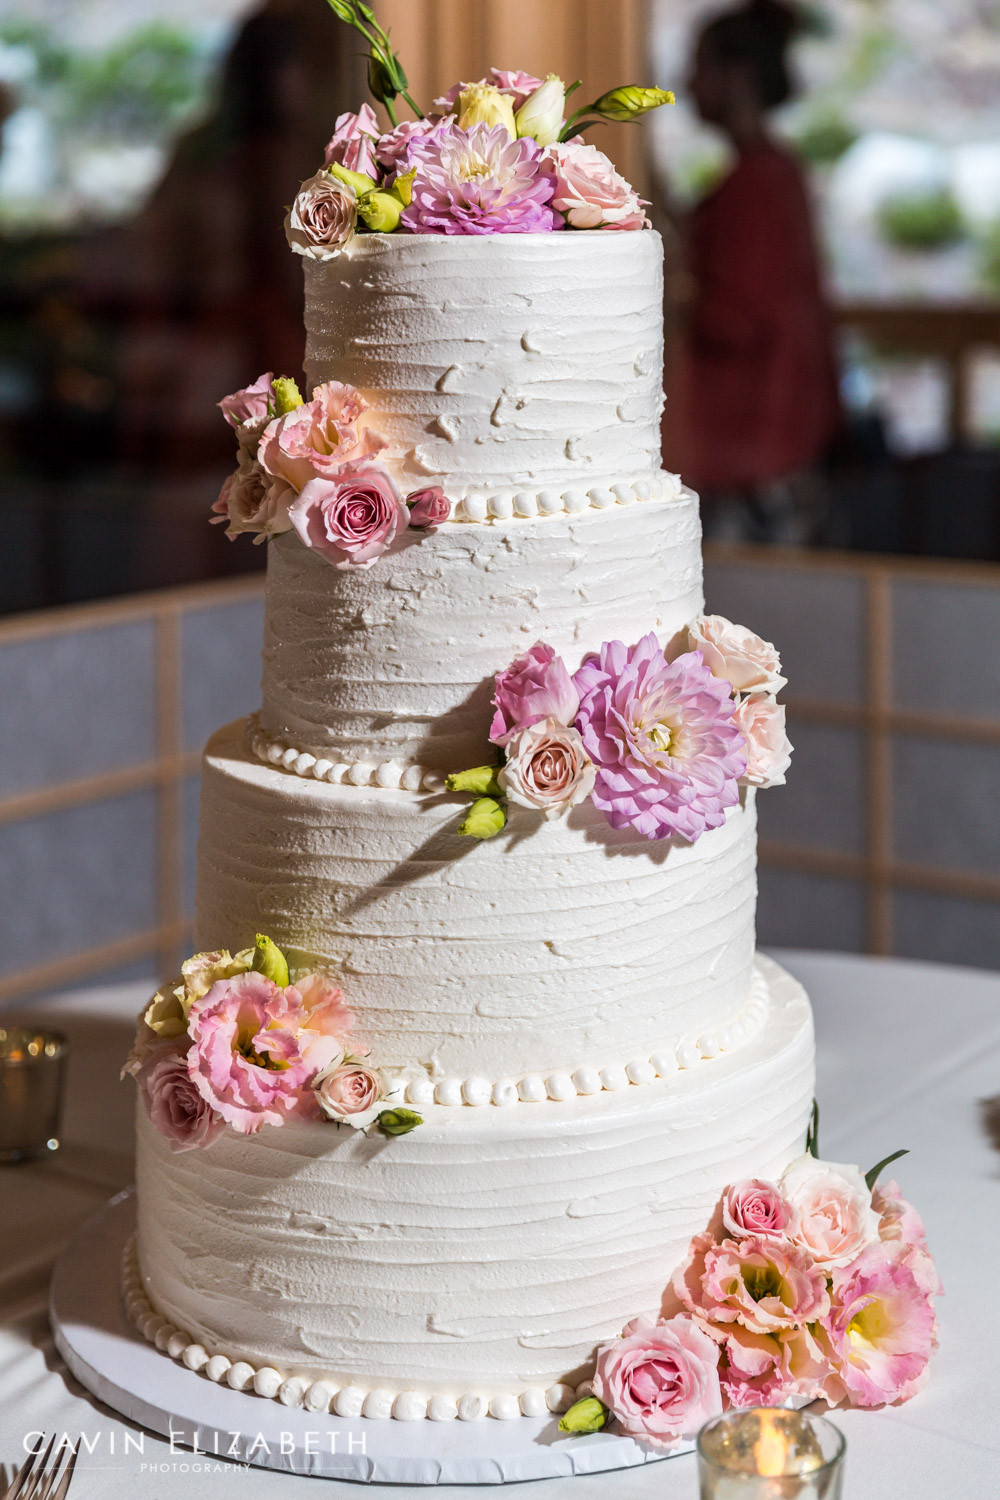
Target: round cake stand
110,1358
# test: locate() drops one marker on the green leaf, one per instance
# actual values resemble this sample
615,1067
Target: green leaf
812,1134
269,960
484,818
588,1415
398,1121
481,779
872,1177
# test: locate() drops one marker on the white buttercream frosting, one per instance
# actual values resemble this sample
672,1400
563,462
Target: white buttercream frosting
320,1255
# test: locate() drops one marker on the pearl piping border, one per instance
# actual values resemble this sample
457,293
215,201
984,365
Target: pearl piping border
325,1395
506,505
386,775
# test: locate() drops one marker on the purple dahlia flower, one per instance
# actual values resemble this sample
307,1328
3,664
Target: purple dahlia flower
479,181
662,736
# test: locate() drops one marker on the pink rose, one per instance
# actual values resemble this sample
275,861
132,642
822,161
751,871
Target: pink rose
175,1106
834,1206
748,663
350,1092
254,403
323,217
766,1369
755,1207
350,521
428,508
352,144
589,192
250,500
898,1219
761,722
320,438
880,1331
660,1380
763,1284
547,768
244,1058
535,686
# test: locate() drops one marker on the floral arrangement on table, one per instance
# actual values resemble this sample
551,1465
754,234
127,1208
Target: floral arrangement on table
312,466
233,1042
817,1286
661,740
498,156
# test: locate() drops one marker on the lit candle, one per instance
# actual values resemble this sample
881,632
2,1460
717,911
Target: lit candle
31,1074
766,1454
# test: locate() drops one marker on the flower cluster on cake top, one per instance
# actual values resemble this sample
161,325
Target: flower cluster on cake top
661,739
817,1286
233,1042
502,155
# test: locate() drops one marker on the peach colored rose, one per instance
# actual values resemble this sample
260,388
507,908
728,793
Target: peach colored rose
547,768
660,1380
173,1102
250,500
761,721
350,1092
735,654
755,1207
834,1205
589,192
322,219
763,1284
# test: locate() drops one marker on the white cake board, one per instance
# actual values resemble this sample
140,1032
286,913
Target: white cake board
109,1357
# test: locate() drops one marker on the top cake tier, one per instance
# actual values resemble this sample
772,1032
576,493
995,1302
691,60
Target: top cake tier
500,360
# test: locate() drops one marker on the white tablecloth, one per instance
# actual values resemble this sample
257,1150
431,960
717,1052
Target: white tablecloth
909,1055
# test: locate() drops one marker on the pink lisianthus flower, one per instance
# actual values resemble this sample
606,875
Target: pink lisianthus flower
515,82
319,438
589,193
766,1369
834,1206
251,500
403,146
880,1331
755,1207
480,181
244,1057
765,1285
175,1105
252,404
354,141
660,1380
325,1020
662,737
898,1219
535,686
429,508
350,520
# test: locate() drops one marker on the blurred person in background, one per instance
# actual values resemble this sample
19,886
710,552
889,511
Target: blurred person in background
753,403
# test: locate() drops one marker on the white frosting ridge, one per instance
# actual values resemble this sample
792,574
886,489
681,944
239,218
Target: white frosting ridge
396,662
499,359
483,1255
550,947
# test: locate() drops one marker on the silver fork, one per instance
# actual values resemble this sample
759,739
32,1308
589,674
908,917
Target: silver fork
46,1478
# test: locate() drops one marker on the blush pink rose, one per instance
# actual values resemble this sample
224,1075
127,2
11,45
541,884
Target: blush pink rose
660,1380
746,661
547,768
250,500
350,1092
244,1058
589,193
428,508
352,144
322,218
535,686
755,1207
320,438
350,521
767,1369
880,1331
765,1285
252,404
761,722
834,1207
173,1102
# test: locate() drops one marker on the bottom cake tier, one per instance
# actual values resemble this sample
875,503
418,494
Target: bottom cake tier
484,1256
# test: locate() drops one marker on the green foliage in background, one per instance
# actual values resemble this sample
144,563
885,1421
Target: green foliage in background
921,221
989,259
823,137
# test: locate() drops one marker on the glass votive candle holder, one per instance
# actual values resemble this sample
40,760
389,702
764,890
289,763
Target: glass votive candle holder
767,1453
31,1085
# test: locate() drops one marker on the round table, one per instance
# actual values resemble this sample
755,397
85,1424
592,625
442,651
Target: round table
908,1055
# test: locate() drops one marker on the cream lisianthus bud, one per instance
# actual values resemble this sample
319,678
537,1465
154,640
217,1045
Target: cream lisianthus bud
483,104
541,114
269,960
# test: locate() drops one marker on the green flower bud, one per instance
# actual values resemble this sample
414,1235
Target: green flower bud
380,82
398,1121
629,102
287,395
380,211
403,187
588,1415
481,779
269,960
484,818
359,181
